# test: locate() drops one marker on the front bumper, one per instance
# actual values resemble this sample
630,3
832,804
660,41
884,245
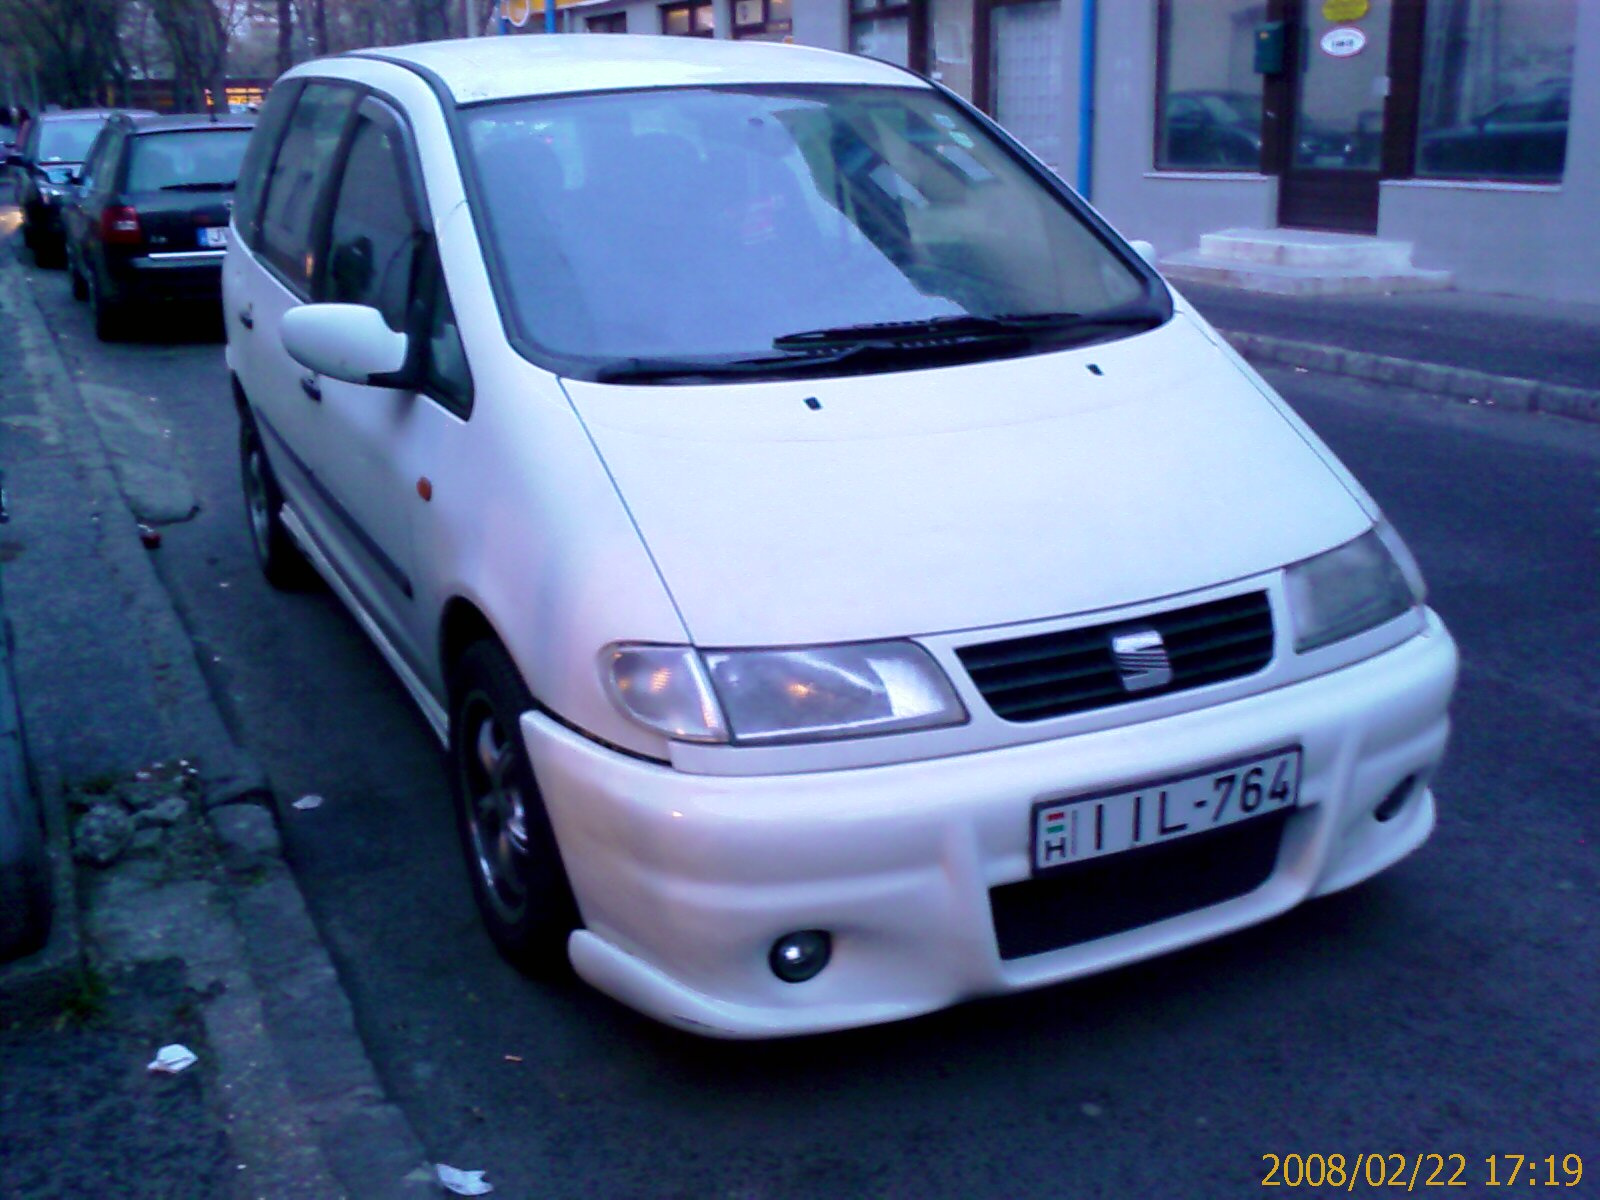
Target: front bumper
684,881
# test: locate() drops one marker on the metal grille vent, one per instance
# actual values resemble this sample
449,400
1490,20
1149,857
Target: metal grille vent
1051,674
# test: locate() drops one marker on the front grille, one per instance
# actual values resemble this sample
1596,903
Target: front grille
1119,892
1050,674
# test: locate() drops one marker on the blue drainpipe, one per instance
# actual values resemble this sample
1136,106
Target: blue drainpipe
1086,57
549,16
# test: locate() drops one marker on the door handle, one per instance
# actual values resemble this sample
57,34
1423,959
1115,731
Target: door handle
310,386
247,318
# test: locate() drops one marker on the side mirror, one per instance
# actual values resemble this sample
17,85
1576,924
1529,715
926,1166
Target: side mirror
351,342
1144,250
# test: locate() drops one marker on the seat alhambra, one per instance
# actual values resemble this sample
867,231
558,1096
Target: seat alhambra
845,577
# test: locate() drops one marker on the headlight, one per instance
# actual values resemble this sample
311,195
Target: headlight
665,688
831,691
1352,588
766,696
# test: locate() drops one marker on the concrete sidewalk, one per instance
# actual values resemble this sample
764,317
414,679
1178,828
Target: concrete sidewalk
1499,351
194,931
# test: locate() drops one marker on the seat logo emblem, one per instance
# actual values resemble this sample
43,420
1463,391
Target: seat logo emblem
1141,658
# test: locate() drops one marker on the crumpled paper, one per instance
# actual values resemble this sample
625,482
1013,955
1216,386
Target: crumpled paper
463,1183
169,1060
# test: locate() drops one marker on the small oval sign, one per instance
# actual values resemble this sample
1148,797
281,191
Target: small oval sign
1345,42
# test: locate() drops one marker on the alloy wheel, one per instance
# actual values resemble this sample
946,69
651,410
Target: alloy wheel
496,809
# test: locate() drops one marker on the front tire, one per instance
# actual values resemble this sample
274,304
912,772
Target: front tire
277,554
518,878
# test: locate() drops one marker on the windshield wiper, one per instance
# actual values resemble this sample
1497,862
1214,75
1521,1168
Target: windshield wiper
221,185
896,343
800,360
646,370
967,327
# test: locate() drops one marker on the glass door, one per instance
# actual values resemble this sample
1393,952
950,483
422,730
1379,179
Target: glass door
1338,86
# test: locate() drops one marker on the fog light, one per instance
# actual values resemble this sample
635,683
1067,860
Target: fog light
1395,800
797,957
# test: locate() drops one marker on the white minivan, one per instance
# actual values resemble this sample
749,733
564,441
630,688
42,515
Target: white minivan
846,578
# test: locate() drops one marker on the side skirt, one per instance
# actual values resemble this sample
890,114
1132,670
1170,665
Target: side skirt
431,708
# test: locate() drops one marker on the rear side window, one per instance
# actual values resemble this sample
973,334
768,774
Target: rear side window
102,156
302,167
67,141
258,158
186,159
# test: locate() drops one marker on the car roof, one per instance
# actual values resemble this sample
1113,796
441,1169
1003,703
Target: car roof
151,123
474,70
77,114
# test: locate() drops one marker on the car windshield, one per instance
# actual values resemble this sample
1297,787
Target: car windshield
186,158
67,141
712,224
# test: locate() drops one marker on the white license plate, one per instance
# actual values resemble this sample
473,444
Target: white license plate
214,236
1074,829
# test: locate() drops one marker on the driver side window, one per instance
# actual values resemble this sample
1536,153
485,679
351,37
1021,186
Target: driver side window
372,241
379,255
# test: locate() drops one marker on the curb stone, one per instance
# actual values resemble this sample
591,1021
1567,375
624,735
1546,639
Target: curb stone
1473,387
305,1114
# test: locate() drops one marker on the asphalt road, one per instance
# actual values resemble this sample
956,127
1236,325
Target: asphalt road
1446,1008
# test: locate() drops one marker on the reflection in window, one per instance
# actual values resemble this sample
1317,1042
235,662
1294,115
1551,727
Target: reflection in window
1496,89
1209,95
688,20
763,20
881,30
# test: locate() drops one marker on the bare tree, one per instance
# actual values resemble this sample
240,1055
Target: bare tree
197,34
285,35
71,45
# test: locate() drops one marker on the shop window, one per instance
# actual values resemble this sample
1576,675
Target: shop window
1496,89
881,29
763,20
951,44
688,20
1208,102
1025,53
616,22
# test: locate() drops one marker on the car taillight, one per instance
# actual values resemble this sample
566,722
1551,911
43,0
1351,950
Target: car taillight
119,226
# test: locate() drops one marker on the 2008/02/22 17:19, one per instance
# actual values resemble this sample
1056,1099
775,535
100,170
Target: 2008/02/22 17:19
1407,1171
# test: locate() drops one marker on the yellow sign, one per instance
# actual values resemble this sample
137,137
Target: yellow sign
1345,10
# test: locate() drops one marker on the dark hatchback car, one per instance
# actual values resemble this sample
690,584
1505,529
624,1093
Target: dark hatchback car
1524,137
53,146
149,220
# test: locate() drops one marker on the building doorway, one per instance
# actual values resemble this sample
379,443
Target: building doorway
1343,107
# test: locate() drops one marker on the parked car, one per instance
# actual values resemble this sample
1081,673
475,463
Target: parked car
149,220
25,898
1212,129
1522,137
844,577
52,149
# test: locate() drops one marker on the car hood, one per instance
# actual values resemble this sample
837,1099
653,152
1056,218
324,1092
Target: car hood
824,510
